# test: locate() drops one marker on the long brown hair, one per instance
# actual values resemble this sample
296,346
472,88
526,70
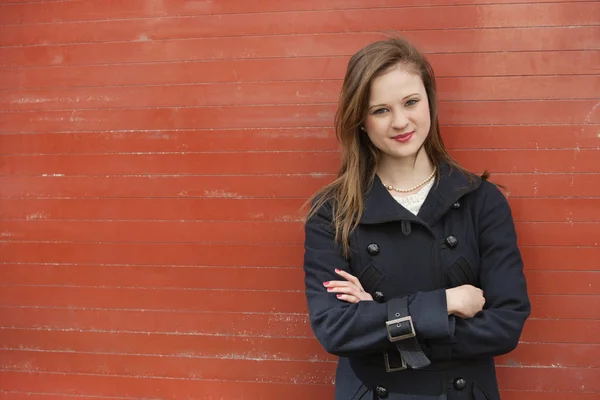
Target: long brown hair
360,158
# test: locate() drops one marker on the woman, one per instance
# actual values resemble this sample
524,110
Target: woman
412,271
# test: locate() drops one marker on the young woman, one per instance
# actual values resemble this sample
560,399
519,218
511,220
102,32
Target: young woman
412,271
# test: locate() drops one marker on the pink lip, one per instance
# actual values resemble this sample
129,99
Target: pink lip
404,138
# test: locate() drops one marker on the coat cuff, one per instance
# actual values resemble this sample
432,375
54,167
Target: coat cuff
429,313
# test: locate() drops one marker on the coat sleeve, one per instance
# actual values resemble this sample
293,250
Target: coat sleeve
346,329
495,330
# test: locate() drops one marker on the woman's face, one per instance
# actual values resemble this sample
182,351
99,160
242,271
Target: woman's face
398,119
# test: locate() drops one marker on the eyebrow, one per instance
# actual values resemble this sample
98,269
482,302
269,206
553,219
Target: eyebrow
405,97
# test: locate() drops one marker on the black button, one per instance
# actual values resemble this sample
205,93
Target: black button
381,392
456,205
460,384
451,241
378,297
373,249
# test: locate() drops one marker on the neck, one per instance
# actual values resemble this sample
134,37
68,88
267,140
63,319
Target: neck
405,172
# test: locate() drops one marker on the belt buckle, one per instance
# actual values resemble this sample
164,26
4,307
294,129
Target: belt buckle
398,321
389,368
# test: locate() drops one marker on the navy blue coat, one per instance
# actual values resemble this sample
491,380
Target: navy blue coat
463,234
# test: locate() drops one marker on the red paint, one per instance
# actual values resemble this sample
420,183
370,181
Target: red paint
155,162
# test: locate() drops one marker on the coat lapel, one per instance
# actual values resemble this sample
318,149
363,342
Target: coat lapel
381,207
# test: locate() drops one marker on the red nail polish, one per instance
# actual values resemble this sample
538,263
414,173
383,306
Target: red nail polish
339,295
326,283
337,270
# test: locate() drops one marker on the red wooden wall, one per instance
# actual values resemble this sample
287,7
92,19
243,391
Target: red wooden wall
154,155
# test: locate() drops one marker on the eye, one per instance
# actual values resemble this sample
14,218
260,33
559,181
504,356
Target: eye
411,102
380,111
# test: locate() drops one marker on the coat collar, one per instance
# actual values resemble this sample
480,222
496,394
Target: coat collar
452,184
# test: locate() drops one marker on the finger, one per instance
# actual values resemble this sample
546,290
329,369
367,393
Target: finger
349,277
364,296
339,284
345,290
348,298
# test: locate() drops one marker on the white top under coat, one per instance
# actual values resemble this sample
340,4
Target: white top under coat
413,202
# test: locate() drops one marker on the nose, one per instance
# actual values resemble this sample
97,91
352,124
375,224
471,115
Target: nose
400,120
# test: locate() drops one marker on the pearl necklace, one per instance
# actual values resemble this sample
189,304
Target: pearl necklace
390,187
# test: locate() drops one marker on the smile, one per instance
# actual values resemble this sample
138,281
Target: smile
403,138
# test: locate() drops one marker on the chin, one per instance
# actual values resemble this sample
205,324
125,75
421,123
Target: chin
406,152
402,156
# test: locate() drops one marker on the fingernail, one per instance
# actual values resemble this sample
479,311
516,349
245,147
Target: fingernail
337,270
325,283
329,289
339,295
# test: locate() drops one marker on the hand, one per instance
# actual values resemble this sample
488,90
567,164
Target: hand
349,290
465,301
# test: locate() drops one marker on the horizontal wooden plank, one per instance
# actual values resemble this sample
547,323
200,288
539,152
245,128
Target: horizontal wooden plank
553,355
241,324
538,161
214,71
288,139
550,379
153,254
539,282
549,209
529,233
156,299
521,137
297,92
544,306
158,277
314,45
549,185
88,10
186,346
177,118
227,163
285,69
275,210
517,88
502,113
252,163
560,331
563,282
230,187
140,387
558,233
546,395
14,395
221,94
561,258
208,209
326,21
286,116
187,323
241,368
551,306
